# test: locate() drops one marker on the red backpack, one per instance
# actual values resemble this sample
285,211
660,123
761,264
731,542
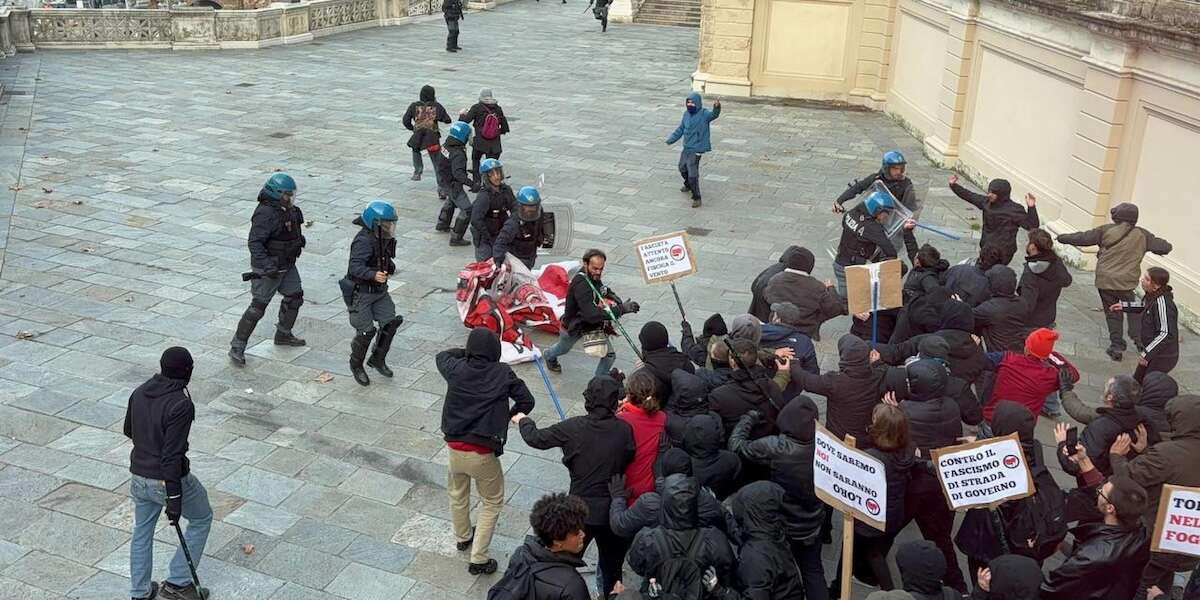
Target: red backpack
491,126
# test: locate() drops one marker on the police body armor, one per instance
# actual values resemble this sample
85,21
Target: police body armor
288,241
854,249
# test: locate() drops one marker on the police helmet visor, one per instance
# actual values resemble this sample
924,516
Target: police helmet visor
496,176
387,228
529,212
895,171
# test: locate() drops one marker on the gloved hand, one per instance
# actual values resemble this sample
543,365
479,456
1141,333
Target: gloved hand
629,307
715,325
1065,382
617,375
686,329
754,416
616,486
174,508
709,579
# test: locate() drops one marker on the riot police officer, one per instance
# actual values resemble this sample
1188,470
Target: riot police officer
864,239
892,174
454,174
275,242
491,209
524,231
366,288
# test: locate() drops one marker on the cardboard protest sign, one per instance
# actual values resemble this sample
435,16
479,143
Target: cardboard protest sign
1177,528
850,480
665,258
861,278
983,473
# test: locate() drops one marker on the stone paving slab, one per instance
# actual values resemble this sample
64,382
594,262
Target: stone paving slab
340,488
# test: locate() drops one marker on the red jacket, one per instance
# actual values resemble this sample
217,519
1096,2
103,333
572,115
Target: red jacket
647,431
1025,379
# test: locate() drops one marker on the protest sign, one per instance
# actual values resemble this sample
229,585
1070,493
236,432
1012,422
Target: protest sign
1177,528
983,473
850,480
665,258
862,279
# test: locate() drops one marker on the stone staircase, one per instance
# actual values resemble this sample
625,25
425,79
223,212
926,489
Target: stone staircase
682,13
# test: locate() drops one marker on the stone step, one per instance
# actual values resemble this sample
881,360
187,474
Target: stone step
658,10
672,22
669,4
664,14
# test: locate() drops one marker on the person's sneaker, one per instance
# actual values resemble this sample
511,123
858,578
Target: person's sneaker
1114,354
153,592
189,592
486,568
552,364
695,203
416,177
1051,415
464,546
458,47
441,229
451,49
287,339
685,189
238,356
459,242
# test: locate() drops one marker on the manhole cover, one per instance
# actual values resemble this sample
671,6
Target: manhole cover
279,135
449,69
698,231
244,84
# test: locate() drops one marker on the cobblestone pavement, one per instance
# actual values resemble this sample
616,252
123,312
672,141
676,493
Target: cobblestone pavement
129,179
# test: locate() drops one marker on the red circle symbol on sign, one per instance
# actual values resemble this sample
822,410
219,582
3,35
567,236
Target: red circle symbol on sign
1011,461
872,506
677,252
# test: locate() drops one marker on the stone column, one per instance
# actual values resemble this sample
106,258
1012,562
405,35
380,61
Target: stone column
874,50
942,142
295,24
7,48
194,28
726,28
1099,128
621,11
19,29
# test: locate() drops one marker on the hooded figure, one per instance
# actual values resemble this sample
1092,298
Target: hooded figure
1042,282
933,417
595,446
689,399
851,392
660,357
759,307
694,128
1158,389
679,531
746,327
965,358
627,520
749,388
697,349
1001,320
478,389
921,566
1002,217
422,118
713,466
1014,577
765,567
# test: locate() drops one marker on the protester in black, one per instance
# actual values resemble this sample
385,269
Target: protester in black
1159,326
422,118
1009,577
750,388
660,358
689,399
489,124
921,566
969,281
626,520
852,391
1001,320
713,466
452,11
765,569
759,306
698,349
1002,217
1043,280
595,447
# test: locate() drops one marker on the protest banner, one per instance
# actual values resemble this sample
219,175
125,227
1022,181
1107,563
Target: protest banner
665,258
849,479
862,281
983,473
1177,527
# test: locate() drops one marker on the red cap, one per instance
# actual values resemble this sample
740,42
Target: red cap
1040,343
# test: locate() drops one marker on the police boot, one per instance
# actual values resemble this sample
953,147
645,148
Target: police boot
382,344
289,309
245,327
460,228
444,216
358,351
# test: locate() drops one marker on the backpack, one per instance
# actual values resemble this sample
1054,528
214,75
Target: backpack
680,577
519,582
425,117
1040,517
491,126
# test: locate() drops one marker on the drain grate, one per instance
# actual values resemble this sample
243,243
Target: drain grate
279,135
698,231
244,84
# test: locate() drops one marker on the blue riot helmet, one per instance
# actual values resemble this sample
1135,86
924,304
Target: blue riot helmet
529,204
893,158
278,185
488,165
460,131
380,214
878,202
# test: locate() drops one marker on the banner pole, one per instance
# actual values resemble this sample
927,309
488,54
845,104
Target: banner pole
848,544
874,314
678,302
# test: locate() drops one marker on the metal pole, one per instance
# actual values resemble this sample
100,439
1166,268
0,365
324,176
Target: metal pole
191,565
677,302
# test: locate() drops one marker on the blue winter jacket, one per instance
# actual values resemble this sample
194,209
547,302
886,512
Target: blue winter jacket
693,128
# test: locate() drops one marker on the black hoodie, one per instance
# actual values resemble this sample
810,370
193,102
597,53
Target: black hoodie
922,567
679,527
759,306
1158,388
748,389
965,358
765,567
423,138
555,576
1014,577
1001,320
689,398
1043,280
478,388
595,446
660,358
626,520
713,466
1002,218
934,418
852,391
158,420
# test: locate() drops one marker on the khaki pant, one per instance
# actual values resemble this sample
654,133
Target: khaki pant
484,469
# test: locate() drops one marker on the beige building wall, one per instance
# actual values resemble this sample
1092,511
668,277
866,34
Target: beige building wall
1084,109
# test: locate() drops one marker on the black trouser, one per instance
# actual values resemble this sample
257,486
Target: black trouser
452,33
812,570
870,562
1116,337
476,155
1157,363
925,503
611,549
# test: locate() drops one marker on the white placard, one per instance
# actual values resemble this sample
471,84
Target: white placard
983,473
666,257
850,480
1177,528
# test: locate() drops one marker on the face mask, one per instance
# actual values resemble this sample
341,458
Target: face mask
692,108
